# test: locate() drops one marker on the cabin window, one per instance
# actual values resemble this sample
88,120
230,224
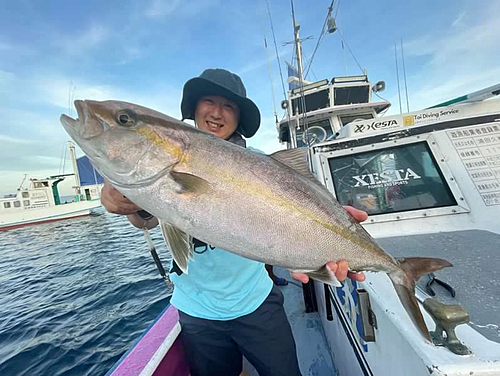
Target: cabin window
26,202
392,180
26,194
6,205
314,101
17,204
351,95
318,131
347,119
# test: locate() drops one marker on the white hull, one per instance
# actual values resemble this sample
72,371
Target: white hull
460,153
47,214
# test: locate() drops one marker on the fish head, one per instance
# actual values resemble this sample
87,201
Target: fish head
128,144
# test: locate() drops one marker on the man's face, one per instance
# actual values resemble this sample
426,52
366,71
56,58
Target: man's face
217,115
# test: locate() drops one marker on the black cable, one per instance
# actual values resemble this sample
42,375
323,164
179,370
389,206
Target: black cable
276,49
330,8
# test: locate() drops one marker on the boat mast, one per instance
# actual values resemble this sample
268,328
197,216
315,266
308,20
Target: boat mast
75,166
298,49
296,28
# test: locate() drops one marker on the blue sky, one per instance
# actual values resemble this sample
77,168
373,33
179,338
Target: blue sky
144,52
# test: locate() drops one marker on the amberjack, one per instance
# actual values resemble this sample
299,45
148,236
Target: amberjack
268,208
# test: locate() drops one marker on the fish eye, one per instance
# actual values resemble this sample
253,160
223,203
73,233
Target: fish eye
125,118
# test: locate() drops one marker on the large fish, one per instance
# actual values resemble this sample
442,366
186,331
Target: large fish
266,208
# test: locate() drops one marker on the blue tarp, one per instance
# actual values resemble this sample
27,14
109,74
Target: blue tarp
86,171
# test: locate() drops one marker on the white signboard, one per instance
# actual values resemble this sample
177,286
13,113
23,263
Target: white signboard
479,150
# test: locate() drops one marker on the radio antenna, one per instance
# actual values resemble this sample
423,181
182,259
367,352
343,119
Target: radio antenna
404,74
397,76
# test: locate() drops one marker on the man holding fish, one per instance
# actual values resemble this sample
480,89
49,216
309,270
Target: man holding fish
227,304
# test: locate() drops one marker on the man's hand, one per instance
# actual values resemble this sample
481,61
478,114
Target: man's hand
340,268
115,202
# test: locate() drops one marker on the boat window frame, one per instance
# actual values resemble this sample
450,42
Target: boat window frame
7,205
461,207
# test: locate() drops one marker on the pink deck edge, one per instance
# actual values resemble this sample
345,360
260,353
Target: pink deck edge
137,359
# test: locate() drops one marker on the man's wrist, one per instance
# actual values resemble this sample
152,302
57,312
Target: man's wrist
145,215
143,220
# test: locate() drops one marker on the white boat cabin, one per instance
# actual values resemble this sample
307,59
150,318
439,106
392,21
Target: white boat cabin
325,107
42,193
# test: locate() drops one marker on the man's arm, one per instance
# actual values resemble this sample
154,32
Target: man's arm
340,268
116,203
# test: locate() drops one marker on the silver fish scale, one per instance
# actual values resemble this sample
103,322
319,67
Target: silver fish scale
265,211
227,196
255,206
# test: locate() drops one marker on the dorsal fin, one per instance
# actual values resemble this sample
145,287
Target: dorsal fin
297,159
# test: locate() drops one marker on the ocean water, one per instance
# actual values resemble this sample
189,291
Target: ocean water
75,294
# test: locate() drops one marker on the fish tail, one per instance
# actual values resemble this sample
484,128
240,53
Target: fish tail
404,280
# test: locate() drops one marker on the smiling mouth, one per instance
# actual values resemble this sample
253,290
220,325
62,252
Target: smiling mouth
214,126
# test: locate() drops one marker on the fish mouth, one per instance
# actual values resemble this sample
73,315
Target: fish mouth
74,124
87,125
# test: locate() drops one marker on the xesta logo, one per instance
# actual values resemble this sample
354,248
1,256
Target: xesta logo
375,126
387,176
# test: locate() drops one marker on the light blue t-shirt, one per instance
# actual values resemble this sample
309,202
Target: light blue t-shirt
220,285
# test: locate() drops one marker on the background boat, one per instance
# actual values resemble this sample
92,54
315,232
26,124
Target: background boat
41,202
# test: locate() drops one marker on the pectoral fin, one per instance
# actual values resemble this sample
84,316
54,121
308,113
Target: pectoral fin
179,245
189,183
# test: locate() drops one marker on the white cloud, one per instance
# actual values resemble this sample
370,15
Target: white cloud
481,38
458,20
266,138
161,8
256,64
6,78
4,46
15,140
462,60
85,41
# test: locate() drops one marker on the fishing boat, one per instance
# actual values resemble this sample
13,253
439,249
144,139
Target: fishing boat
430,182
41,201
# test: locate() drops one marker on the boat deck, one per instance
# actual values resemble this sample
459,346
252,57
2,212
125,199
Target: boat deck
475,274
312,348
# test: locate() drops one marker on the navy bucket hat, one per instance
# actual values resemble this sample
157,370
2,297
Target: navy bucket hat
225,84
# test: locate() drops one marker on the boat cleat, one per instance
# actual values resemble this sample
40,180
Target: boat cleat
447,317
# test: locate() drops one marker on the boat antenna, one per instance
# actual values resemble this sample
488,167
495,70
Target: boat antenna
404,74
349,49
296,28
397,76
22,182
330,30
276,48
268,58
279,66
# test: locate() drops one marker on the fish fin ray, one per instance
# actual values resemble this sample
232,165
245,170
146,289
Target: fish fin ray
323,274
189,183
418,266
297,159
404,280
179,244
